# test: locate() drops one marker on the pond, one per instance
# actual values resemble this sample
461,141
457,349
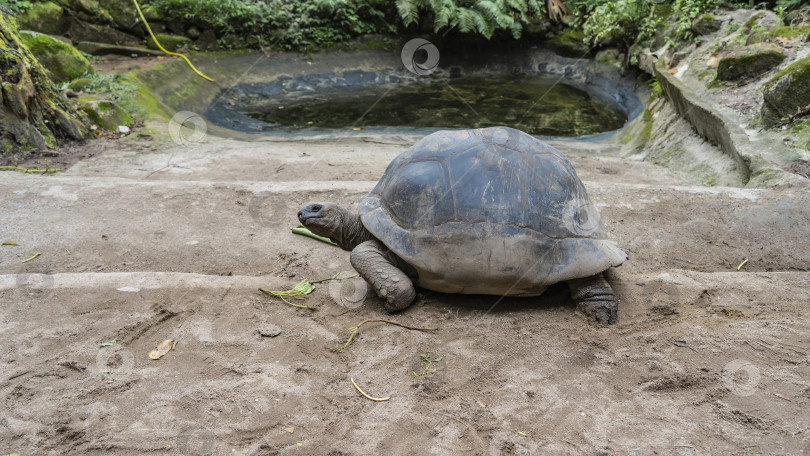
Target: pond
538,104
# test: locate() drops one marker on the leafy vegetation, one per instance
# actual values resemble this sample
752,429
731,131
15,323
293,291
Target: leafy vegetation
310,24
484,17
289,24
18,6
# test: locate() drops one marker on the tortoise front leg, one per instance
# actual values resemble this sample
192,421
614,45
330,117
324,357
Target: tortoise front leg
594,298
390,282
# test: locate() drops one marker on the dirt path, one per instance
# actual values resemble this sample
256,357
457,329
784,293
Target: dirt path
142,243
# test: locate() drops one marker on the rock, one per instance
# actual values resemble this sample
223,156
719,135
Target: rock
106,114
47,17
169,42
749,62
785,92
771,34
124,16
611,57
123,129
706,24
104,49
207,40
678,55
268,330
83,6
763,18
193,32
569,43
63,61
80,84
84,31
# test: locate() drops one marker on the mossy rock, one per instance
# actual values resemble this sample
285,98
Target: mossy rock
106,114
124,15
787,91
104,49
706,24
47,17
63,62
773,33
610,57
80,84
749,62
763,18
169,42
85,31
569,43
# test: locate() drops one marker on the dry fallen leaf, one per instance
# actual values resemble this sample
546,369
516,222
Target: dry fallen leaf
673,70
162,348
781,396
289,429
10,243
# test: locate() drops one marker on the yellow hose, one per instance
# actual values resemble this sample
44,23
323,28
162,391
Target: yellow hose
161,47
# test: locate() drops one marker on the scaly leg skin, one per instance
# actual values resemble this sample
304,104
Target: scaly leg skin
391,283
594,298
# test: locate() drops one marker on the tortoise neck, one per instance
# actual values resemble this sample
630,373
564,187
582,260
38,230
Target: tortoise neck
354,232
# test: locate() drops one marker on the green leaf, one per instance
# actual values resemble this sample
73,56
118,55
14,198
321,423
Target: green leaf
107,344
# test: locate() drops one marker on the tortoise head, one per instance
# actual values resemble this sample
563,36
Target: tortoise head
335,222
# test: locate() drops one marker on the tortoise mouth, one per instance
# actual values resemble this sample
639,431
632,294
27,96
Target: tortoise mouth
308,220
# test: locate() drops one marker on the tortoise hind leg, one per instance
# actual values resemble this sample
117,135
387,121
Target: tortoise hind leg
390,282
594,298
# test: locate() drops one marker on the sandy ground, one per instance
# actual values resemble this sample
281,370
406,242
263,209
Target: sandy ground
142,242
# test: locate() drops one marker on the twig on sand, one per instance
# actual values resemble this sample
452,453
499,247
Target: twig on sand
29,259
355,329
375,399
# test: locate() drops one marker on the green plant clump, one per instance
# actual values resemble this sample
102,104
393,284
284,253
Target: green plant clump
288,24
482,17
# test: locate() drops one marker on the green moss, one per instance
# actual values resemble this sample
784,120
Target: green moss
799,68
142,102
705,174
570,42
646,132
105,113
752,21
750,61
80,84
47,17
771,33
63,61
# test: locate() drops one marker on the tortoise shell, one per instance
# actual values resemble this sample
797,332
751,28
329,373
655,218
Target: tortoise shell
489,211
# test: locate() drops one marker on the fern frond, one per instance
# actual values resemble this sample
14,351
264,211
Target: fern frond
408,11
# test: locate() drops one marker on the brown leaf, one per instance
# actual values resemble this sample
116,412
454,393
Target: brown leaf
162,348
781,396
673,70
289,429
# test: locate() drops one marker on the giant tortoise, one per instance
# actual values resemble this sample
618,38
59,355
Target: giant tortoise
489,211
